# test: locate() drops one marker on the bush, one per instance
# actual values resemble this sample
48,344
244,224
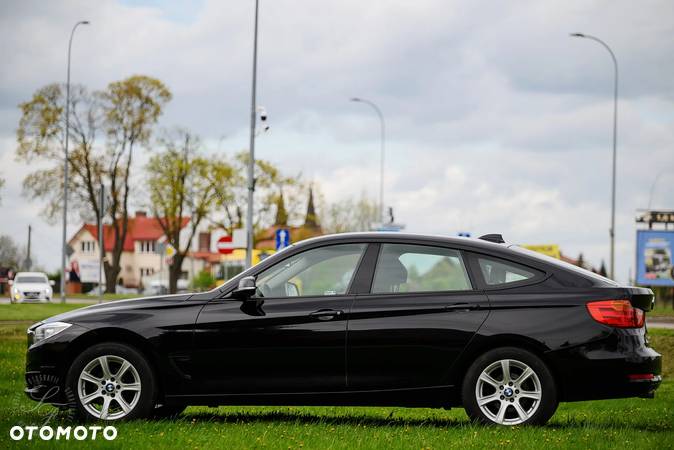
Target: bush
203,281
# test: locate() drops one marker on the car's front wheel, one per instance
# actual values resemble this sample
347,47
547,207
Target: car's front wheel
509,386
112,381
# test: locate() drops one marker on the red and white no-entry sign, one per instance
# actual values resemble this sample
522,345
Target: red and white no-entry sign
225,245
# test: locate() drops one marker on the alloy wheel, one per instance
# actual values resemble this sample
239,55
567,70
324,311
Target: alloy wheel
109,387
508,392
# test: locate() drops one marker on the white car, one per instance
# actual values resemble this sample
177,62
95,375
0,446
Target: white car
33,287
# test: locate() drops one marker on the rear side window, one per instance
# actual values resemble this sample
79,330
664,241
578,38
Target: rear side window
419,268
497,272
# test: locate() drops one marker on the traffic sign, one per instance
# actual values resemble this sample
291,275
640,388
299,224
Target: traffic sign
282,238
225,245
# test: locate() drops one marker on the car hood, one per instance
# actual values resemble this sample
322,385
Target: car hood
31,286
119,306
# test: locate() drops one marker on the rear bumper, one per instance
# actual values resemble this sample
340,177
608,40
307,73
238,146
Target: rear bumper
619,366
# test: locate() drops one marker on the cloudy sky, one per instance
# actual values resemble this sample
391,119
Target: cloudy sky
497,120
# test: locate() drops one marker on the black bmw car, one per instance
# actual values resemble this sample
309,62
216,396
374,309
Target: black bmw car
360,319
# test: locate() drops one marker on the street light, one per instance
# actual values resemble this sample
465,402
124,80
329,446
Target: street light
65,167
381,164
615,136
655,182
251,159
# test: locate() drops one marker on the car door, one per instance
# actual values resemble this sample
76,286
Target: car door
419,314
290,337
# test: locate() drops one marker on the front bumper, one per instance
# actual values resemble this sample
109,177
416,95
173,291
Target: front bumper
47,364
21,297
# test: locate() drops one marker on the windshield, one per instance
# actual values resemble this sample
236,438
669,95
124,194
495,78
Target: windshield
564,265
31,279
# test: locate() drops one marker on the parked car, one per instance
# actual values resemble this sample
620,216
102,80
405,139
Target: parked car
361,319
31,287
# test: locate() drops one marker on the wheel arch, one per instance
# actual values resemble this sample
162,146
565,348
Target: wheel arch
482,344
121,336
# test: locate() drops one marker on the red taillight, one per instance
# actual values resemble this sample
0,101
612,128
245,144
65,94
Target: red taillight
616,313
640,376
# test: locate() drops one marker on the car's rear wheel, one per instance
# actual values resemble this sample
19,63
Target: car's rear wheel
112,381
509,386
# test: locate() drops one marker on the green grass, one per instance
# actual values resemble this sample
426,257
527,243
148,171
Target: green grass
34,312
661,310
627,423
105,296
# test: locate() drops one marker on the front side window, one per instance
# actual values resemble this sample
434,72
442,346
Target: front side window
419,268
318,272
496,272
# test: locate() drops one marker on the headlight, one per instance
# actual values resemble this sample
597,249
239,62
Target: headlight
48,330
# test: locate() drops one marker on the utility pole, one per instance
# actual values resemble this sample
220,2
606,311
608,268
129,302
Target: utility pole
251,159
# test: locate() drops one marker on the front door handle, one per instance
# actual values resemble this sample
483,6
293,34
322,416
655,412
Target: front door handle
326,314
462,307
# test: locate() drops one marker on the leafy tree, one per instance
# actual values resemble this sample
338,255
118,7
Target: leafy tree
602,269
10,254
348,215
131,108
271,187
125,112
581,261
182,183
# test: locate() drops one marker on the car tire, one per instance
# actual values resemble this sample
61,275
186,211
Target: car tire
168,411
526,395
112,381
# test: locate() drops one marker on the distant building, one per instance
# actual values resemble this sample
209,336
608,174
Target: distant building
140,263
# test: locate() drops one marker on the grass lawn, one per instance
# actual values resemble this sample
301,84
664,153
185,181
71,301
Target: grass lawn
628,423
661,311
34,312
105,296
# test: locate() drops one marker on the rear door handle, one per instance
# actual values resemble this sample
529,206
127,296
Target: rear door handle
462,307
326,314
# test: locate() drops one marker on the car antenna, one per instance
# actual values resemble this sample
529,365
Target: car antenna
496,238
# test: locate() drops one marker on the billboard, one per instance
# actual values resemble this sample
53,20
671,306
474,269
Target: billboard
551,250
655,252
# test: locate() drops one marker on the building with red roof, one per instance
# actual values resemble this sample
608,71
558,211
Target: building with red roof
140,261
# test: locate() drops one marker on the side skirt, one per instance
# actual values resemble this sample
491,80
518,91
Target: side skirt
427,397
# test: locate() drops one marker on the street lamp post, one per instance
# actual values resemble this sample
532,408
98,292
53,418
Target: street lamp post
251,158
615,137
381,162
65,167
655,182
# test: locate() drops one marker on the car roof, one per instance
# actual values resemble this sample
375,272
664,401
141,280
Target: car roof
31,273
389,236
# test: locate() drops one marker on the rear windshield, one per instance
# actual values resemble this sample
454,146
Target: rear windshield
30,279
564,265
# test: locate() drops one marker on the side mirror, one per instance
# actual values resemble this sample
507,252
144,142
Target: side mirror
52,283
246,288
